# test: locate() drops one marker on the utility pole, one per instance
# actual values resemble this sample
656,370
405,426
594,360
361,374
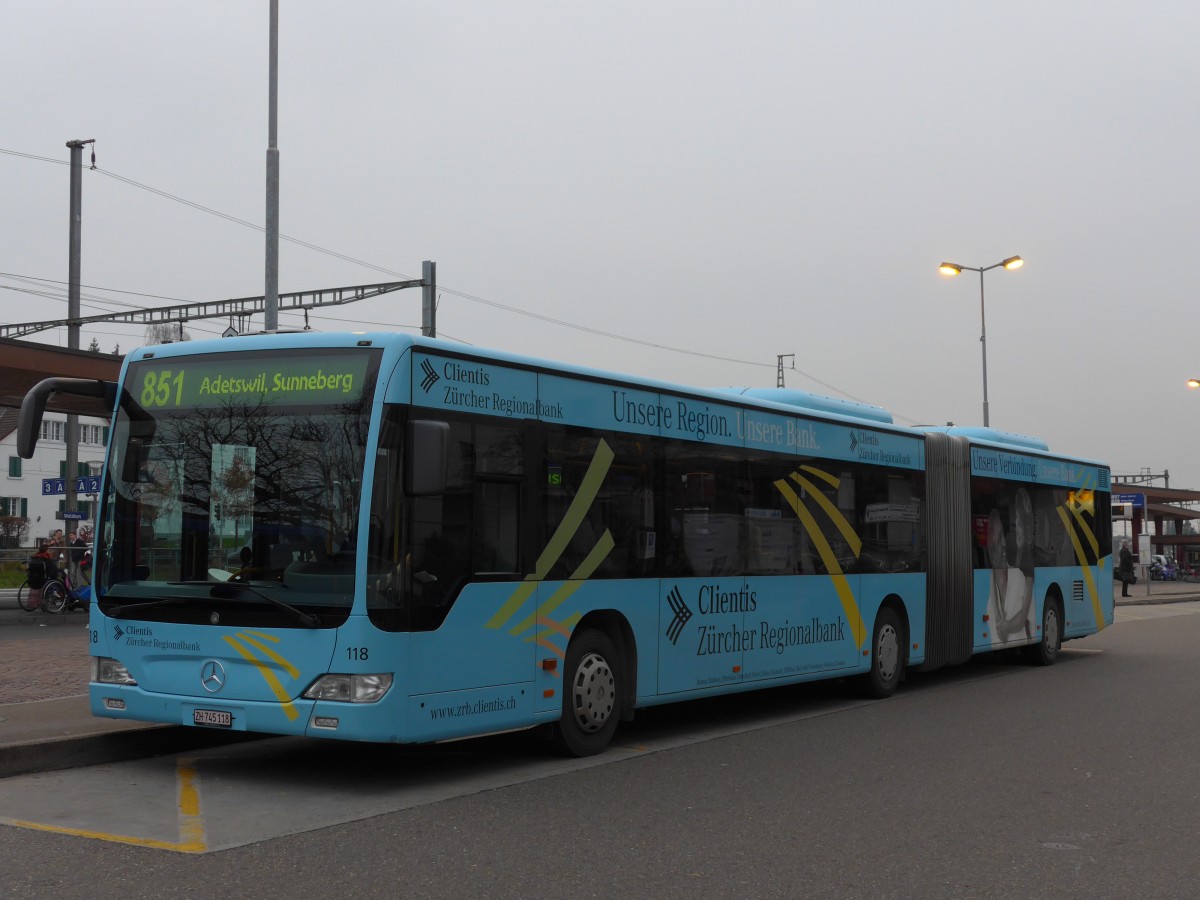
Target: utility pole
429,298
779,367
271,312
73,264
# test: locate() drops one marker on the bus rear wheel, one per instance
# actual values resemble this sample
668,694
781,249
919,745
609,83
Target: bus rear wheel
1045,652
592,683
887,655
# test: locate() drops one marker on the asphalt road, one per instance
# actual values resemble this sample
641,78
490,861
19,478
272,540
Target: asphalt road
991,780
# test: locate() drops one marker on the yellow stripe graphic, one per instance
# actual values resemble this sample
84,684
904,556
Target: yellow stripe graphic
828,478
591,562
553,648
557,627
832,511
269,677
563,627
275,657
273,638
588,489
1093,593
841,585
1087,532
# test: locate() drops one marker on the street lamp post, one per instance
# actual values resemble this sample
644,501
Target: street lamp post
949,268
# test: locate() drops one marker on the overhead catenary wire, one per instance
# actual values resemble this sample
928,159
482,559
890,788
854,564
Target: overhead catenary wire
464,295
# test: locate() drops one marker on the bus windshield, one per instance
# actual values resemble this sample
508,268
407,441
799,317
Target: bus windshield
234,482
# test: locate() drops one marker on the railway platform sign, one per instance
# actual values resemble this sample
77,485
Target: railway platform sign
87,484
84,484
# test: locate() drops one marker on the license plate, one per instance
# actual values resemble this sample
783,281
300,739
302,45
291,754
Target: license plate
216,718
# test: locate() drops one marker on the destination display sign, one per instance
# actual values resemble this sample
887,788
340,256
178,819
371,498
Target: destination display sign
991,463
511,392
272,378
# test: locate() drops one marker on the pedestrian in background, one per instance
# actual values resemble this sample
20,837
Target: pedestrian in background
1125,569
75,557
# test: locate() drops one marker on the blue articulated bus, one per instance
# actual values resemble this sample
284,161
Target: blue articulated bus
380,537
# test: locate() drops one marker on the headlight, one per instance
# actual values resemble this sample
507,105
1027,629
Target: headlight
110,671
350,688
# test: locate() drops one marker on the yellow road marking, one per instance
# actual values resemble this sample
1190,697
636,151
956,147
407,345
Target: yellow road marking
104,836
191,824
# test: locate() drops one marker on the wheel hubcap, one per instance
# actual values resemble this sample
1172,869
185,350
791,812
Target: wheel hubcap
1050,630
887,653
593,692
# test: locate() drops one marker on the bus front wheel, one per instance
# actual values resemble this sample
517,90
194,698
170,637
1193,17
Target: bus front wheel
887,655
591,695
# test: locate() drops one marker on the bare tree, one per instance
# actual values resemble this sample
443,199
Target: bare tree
14,530
166,333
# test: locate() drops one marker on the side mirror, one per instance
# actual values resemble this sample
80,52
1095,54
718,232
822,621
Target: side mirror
29,420
425,457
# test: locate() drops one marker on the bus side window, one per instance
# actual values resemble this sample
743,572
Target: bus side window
707,502
497,528
440,534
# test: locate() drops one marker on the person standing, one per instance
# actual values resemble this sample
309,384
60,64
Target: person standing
75,556
1125,569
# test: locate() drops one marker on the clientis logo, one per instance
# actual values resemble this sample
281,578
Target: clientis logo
431,377
862,437
681,611
117,633
710,601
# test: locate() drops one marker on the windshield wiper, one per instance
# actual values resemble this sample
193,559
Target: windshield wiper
220,590
118,612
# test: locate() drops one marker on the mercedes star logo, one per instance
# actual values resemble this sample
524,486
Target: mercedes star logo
212,676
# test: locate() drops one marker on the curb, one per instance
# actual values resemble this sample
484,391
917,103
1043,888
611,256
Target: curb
97,749
18,618
1155,601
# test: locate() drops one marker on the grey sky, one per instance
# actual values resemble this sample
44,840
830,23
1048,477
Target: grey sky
739,180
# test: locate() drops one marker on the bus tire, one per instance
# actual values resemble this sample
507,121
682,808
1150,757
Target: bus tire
1045,651
591,695
887,655
54,597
